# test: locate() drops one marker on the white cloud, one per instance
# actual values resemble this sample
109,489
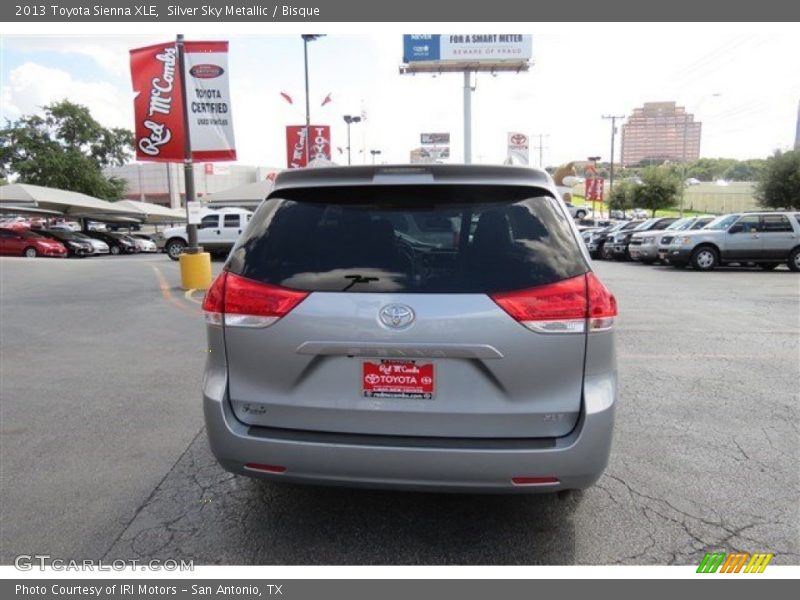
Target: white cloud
31,86
110,53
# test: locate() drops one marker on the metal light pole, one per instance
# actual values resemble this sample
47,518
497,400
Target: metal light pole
350,119
308,37
374,154
188,165
467,118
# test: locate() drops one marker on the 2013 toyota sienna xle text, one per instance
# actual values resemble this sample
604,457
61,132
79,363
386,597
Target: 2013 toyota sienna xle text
473,351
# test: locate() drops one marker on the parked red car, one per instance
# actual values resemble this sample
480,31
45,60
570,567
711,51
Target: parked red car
21,242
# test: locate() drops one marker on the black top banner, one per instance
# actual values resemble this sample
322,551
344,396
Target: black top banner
318,11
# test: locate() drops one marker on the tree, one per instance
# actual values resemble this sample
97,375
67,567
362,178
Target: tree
65,148
779,183
621,196
659,189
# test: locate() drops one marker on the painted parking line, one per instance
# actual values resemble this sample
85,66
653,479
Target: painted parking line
166,292
189,295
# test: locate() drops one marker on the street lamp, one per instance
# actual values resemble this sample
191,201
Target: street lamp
374,154
350,119
308,37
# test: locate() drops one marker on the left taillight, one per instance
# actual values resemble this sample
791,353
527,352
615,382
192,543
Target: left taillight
240,302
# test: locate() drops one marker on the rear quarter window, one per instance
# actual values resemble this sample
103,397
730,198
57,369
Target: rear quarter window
416,239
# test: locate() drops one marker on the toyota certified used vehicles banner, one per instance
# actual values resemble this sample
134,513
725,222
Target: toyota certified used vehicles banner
158,106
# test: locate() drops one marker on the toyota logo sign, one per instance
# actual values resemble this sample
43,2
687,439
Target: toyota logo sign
518,139
396,316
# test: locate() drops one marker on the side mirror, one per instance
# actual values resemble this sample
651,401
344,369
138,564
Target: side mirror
737,228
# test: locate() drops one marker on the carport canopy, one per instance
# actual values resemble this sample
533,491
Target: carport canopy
25,197
153,214
248,195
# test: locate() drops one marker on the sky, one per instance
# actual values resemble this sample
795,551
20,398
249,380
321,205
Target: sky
743,84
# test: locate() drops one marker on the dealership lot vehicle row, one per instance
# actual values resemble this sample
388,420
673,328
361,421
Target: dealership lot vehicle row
704,454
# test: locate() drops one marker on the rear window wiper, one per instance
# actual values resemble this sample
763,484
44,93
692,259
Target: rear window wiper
356,279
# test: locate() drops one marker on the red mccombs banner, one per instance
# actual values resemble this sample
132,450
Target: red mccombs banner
159,110
302,149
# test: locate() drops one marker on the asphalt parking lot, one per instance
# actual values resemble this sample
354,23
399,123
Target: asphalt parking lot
104,453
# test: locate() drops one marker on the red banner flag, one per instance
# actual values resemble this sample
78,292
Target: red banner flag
158,108
302,149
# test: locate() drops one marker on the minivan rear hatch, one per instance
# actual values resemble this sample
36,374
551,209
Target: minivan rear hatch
401,310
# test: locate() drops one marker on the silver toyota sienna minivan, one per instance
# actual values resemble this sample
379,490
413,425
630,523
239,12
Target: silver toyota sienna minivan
431,327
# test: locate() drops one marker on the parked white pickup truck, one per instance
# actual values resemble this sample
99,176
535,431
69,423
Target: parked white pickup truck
217,232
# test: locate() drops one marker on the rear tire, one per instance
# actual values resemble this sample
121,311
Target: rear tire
30,252
175,248
580,214
794,260
114,250
705,258
767,266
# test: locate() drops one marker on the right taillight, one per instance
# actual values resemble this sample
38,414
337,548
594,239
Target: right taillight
567,306
241,302
602,304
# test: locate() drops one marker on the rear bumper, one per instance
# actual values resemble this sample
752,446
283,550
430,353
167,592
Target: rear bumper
577,460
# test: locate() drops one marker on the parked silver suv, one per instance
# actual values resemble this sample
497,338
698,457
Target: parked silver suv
342,352
644,245
765,238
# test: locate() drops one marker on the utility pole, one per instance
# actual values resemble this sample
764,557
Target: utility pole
541,147
613,136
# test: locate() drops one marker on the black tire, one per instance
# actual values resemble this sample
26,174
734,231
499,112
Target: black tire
767,266
647,262
580,214
606,253
174,248
705,258
30,252
115,250
794,260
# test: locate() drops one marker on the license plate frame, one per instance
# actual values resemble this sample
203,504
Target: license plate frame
400,379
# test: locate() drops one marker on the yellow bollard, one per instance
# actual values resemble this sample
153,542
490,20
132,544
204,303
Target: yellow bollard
195,271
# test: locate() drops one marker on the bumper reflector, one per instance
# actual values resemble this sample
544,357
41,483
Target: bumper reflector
534,480
265,468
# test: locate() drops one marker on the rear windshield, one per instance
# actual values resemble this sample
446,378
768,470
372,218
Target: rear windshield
416,239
